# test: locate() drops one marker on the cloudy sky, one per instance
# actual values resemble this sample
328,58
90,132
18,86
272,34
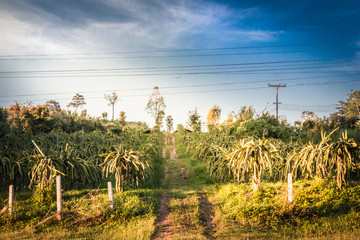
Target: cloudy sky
199,53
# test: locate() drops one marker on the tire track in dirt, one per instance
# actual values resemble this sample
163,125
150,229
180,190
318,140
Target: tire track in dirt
163,222
206,216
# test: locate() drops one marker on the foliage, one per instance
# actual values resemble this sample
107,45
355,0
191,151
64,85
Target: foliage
127,165
326,157
194,121
348,114
213,116
4,126
251,157
156,106
33,119
77,101
53,106
169,123
122,117
269,206
112,100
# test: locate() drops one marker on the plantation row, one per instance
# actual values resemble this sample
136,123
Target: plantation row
229,157
83,158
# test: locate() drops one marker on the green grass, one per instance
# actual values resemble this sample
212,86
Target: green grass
319,210
134,214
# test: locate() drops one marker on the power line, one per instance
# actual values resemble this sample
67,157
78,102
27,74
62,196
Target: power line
212,91
179,50
312,61
176,86
282,70
177,56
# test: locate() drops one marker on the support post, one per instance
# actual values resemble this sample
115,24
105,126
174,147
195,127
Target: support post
58,197
111,197
11,201
277,95
290,188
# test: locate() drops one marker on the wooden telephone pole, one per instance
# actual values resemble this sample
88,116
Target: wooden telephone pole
277,95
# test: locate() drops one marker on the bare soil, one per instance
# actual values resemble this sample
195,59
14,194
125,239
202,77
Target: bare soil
164,153
206,216
174,153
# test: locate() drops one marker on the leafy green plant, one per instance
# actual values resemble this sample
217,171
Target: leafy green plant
127,166
251,157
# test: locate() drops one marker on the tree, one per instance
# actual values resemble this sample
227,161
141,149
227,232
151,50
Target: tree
104,115
245,114
169,123
348,114
122,117
77,101
53,106
29,118
4,126
213,117
194,120
156,106
112,100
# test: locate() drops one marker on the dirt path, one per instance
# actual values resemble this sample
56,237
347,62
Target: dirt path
179,201
163,223
206,216
164,227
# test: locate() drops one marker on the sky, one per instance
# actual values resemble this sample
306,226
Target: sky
199,54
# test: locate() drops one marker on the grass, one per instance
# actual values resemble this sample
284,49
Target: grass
141,228
319,210
90,218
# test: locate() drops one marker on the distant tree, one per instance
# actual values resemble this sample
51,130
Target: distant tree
112,100
53,106
122,117
29,118
169,123
311,121
4,126
77,101
348,114
104,115
84,113
213,117
156,106
245,114
194,121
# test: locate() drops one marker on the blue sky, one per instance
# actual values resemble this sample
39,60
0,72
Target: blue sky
199,53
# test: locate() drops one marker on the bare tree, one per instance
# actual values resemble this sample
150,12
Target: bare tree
156,106
112,100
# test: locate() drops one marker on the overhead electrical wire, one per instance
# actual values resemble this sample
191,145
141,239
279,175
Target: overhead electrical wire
179,56
181,50
182,67
216,90
228,71
176,86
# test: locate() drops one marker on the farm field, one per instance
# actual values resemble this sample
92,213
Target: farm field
190,204
169,120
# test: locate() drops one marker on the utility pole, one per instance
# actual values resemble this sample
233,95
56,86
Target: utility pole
277,95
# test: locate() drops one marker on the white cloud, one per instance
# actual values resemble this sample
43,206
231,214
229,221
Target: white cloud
161,25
